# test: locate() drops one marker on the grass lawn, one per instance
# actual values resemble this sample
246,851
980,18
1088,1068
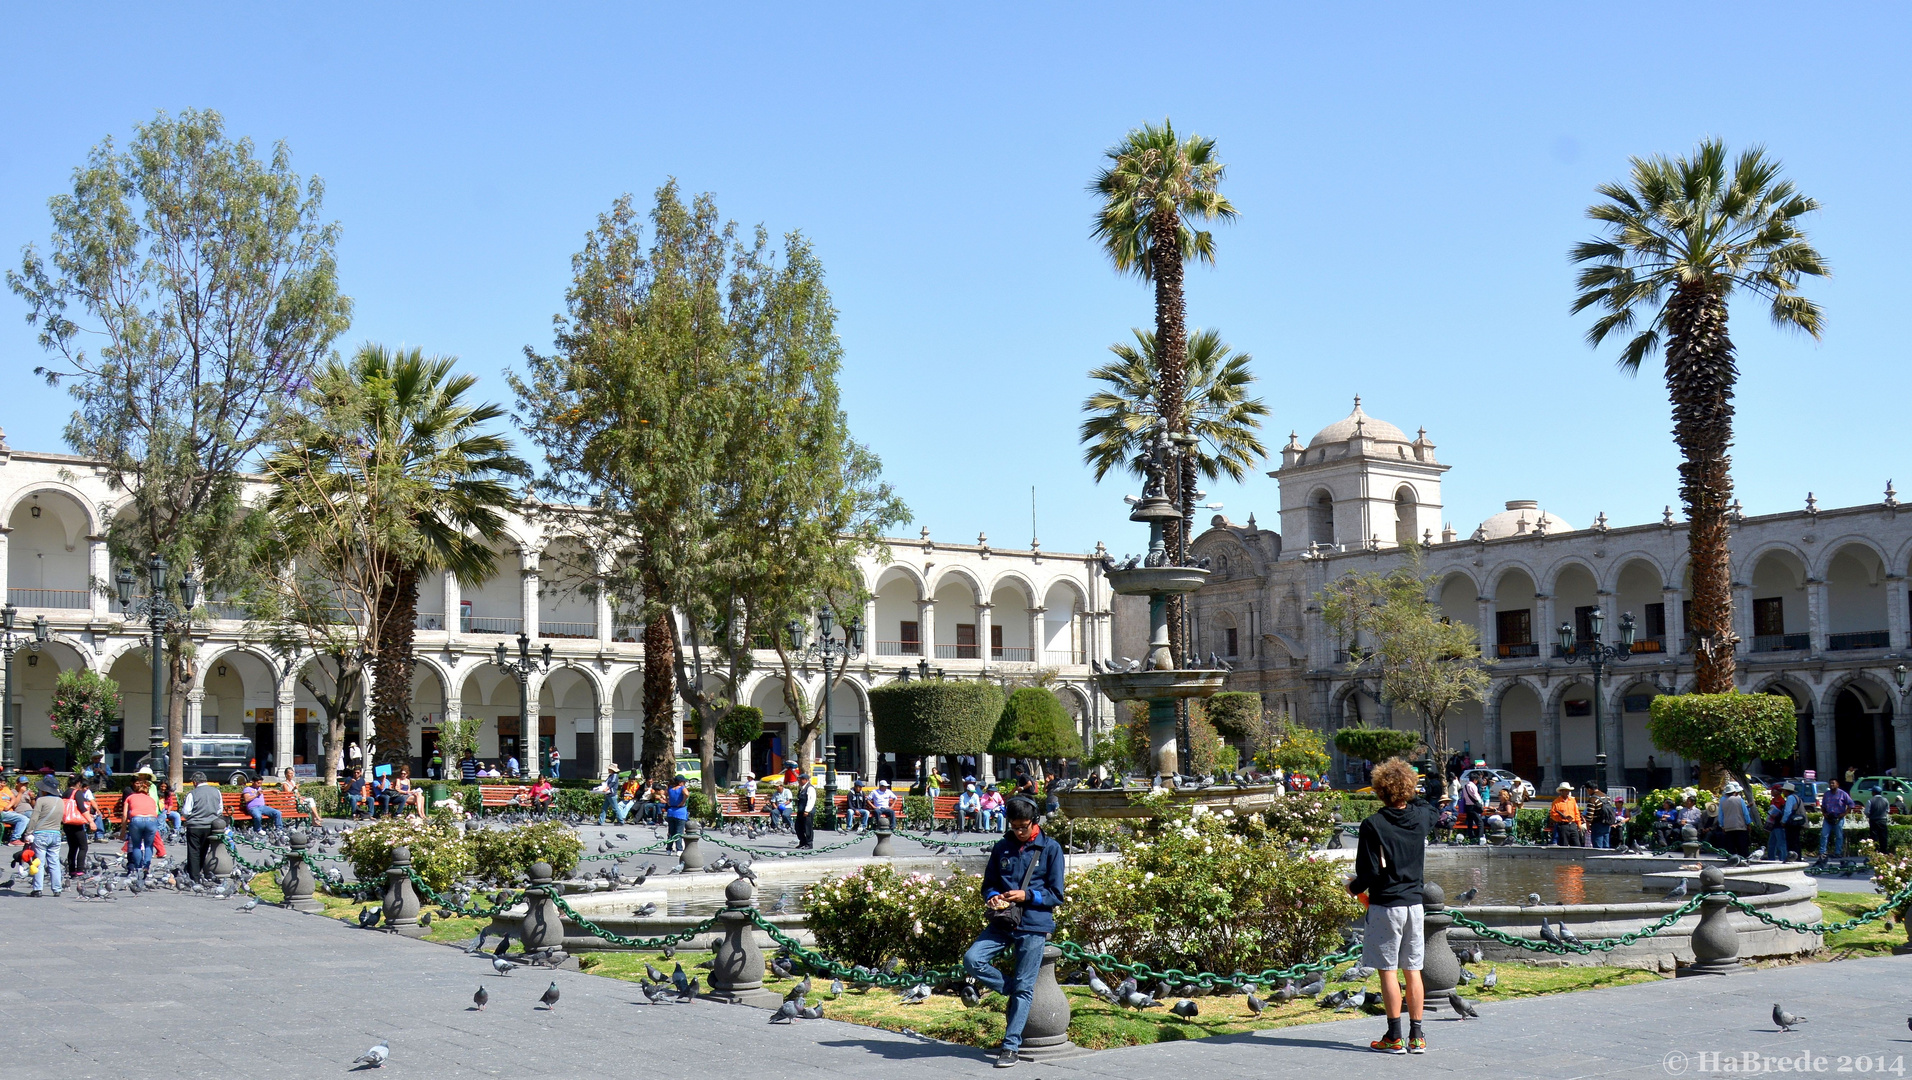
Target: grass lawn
442,929
1872,939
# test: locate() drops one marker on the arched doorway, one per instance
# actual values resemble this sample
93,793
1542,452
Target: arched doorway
1862,731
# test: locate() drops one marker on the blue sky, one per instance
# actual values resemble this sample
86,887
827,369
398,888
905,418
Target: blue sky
1409,180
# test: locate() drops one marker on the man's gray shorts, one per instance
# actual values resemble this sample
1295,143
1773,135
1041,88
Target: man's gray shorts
1394,941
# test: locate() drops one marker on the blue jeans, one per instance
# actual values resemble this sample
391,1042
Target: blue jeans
46,844
140,832
675,834
609,808
858,818
1776,844
1602,835
17,820
260,815
173,821
1020,987
992,821
780,814
1833,831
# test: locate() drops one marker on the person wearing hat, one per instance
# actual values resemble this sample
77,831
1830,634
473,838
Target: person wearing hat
608,789
16,803
883,806
1564,816
49,809
1735,820
1834,806
1785,824
803,808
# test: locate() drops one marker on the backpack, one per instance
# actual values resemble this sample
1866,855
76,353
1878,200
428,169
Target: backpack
1602,812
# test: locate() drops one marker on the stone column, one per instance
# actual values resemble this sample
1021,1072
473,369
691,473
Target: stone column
869,631
1902,734
1715,939
195,708
603,763
736,973
297,882
1441,972
603,606
1895,610
1490,728
1550,740
1743,615
400,897
528,593
868,734
926,627
542,927
1484,621
1046,1035
1818,621
219,860
985,620
1825,743
1544,633
365,725
1038,637
5,579
454,597
283,729
99,565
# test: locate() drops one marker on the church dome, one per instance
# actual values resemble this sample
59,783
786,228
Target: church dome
1344,429
1523,517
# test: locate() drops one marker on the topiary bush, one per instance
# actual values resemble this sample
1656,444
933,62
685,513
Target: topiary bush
1034,724
504,856
1376,744
936,716
1356,806
876,915
439,851
1726,730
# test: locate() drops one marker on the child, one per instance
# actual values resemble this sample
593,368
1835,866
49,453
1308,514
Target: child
1387,867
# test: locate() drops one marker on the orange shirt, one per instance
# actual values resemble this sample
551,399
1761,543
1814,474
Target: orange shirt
1564,810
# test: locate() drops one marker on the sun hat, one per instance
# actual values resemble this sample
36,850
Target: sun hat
1564,786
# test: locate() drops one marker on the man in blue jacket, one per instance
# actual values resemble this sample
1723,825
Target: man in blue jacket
1024,873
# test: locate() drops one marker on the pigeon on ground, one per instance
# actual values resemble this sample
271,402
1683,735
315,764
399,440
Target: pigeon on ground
813,1012
799,992
425,920
1337,1000
1185,1008
1466,896
502,966
680,980
1677,891
251,904
1286,992
1460,1006
786,1013
656,975
1786,1020
368,917
1475,955
375,1057
1466,977
1319,984
970,997
1533,899
1099,988
655,992
690,991
915,995
836,989
480,998
550,997
1492,979
1255,1004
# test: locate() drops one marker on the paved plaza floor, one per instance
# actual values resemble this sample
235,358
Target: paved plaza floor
169,985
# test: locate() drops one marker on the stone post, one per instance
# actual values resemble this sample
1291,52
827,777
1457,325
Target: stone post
298,883
1440,968
736,974
692,858
1046,1035
219,861
542,927
1715,939
882,849
1689,842
400,898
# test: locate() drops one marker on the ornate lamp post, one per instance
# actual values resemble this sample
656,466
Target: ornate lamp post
1597,654
10,642
160,611
829,649
522,669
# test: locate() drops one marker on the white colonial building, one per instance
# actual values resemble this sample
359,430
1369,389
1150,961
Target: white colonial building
968,610
1820,600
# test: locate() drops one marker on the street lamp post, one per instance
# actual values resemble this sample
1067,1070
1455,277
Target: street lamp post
1597,654
160,611
522,669
9,641
829,649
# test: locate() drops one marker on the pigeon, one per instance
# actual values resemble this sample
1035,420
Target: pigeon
1533,899
502,966
689,991
814,1012
1137,1000
799,992
1677,891
1286,992
1358,974
679,980
1460,1006
1547,933
1185,1008
1337,1000
375,1057
1492,979
550,997
656,975
1319,984
478,946
1786,1020
1475,955
1255,1004
424,920
654,992
836,989
1099,988
251,905
786,1013
369,917
1466,977
1566,933
481,998
1466,896
916,995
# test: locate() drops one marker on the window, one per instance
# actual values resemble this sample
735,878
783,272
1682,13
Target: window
1769,616
966,641
995,642
1229,642
909,636
1514,627
1321,518
1655,621
1583,622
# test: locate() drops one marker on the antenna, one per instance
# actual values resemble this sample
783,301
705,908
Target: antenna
1033,534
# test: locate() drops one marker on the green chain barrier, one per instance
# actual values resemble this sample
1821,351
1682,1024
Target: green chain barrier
780,853
1581,947
648,944
930,839
1205,979
1892,903
434,896
820,964
253,867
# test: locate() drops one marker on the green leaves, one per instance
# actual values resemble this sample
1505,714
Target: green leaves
85,705
1724,729
935,716
1151,172
1034,724
1375,744
1124,415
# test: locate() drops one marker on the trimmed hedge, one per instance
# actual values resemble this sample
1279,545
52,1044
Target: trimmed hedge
939,716
1235,713
1724,728
1034,724
1376,744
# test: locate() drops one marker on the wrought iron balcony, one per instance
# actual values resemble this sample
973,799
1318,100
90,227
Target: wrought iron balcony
60,599
1864,639
1012,653
899,648
1517,649
1782,642
490,624
557,629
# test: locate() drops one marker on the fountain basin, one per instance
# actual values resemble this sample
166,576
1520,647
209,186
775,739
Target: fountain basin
1162,684
1114,802
1163,580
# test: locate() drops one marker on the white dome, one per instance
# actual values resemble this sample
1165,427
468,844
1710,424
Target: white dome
1523,517
1342,430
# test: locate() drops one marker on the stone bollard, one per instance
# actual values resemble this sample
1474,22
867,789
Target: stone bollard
736,974
297,882
219,861
1498,834
400,897
1046,1035
1715,939
1689,842
543,925
882,849
1440,968
692,858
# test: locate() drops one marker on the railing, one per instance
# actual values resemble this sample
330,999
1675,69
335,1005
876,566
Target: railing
1012,653
957,652
1782,642
567,629
899,648
1063,657
1351,656
1518,648
1649,645
64,599
490,624
226,609
428,620
1864,639
626,632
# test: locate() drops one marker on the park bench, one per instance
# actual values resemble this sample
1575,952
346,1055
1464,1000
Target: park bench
943,809
499,796
235,810
731,805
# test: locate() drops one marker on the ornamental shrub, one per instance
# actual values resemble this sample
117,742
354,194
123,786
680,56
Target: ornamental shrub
1235,713
937,716
504,856
85,704
1727,730
876,915
1302,819
1196,893
739,728
1376,744
1204,742
1034,724
439,851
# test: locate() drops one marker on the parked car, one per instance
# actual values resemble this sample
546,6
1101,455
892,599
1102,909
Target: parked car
1491,781
1897,790
223,758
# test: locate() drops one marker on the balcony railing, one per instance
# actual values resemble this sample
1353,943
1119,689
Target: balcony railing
226,609
1351,656
1782,642
1062,657
428,620
899,648
1649,645
556,629
957,652
1864,639
626,632
1012,653
1517,649
490,624
62,599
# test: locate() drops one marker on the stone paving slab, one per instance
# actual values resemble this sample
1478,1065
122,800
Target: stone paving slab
167,985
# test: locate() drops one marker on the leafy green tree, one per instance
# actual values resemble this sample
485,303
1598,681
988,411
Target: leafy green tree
188,291
1223,418
1291,747
1034,724
1235,713
390,452
1724,731
1375,744
742,726
85,706
935,717
1677,240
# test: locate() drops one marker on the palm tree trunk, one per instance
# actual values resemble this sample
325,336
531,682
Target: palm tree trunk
397,614
1699,379
1171,358
660,658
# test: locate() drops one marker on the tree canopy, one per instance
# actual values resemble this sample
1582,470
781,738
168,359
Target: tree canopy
1034,724
935,716
1375,744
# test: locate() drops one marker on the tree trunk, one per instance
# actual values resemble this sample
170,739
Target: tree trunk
660,743
1699,380
181,675
397,613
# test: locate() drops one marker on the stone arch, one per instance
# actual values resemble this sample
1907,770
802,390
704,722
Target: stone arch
1870,687
1831,549
1565,564
1018,581
35,674
1747,564
280,673
1858,601
90,513
1407,505
49,553
903,571
967,576
1617,568
1320,507
1500,575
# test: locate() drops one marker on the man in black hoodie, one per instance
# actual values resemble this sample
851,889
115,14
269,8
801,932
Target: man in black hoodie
1387,867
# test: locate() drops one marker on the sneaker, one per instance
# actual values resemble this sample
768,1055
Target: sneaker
1417,1044
1388,1044
1006,1059
37,892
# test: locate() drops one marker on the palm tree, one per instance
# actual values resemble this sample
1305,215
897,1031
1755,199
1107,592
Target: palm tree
1678,239
1221,415
397,438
